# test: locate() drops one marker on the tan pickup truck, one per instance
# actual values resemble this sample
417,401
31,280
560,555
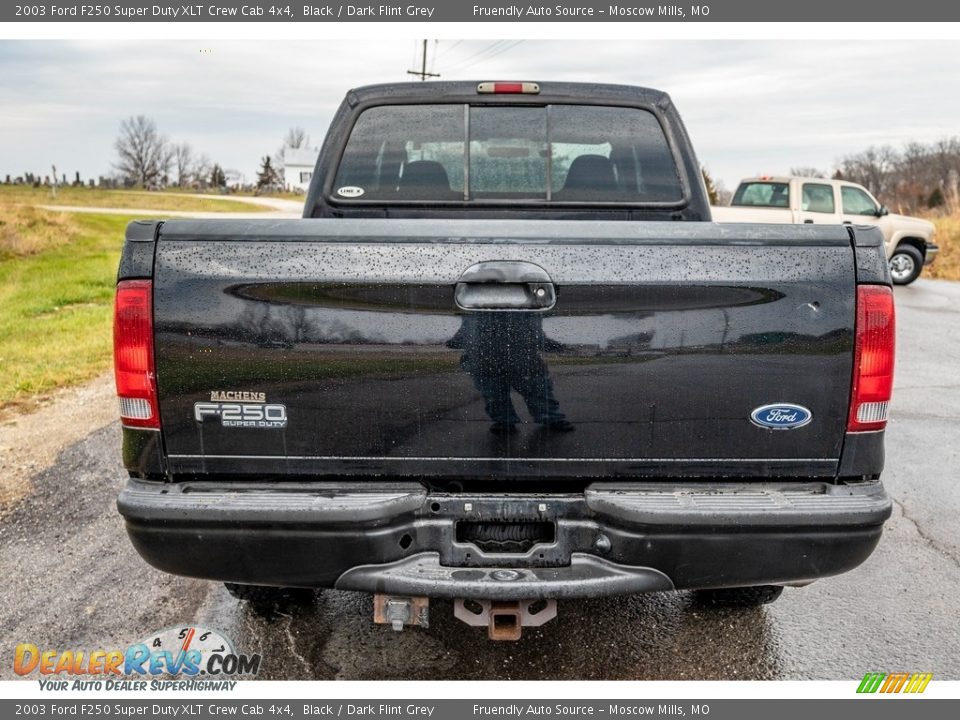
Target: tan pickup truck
908,241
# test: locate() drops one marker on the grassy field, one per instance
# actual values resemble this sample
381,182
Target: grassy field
139,199
26,230
57,275
947,264
282,195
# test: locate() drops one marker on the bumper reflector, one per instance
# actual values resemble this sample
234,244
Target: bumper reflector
872,412
135,408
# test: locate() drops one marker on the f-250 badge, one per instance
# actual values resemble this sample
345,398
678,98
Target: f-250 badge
241,409
781,416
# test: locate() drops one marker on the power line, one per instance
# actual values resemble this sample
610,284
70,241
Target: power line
422,72
445,51
493,55
490,51
486,49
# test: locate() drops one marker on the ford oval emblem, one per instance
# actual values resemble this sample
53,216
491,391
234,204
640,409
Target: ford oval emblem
781,416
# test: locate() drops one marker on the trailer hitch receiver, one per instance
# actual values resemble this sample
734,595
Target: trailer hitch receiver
504,620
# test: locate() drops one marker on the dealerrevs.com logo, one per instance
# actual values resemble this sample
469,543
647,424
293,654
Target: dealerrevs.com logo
189,652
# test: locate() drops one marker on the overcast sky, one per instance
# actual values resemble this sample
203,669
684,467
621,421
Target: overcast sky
750,106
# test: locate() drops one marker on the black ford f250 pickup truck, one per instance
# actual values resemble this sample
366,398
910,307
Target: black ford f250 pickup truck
504,358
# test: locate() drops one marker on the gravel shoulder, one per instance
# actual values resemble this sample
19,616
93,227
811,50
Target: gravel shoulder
30,442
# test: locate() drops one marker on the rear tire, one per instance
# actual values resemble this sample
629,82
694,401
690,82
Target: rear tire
744,597
906,263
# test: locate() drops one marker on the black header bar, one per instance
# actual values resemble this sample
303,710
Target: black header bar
628,11
217,706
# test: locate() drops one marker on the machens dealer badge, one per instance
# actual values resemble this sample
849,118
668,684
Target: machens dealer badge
241,409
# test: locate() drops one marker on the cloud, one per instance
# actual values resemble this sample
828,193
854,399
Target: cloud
750,106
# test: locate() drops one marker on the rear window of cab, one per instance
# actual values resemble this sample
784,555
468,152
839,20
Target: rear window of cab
546,154
762,194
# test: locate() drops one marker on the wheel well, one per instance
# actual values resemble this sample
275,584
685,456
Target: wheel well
918,243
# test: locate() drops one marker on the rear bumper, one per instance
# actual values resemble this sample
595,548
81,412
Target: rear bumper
613,539
930,252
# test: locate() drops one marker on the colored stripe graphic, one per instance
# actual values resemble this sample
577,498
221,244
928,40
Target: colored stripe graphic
890,683
923,679
913,683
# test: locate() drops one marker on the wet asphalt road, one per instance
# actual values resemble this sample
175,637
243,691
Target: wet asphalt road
71,579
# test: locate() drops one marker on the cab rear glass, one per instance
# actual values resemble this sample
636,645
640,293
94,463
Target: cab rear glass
762,194
500,154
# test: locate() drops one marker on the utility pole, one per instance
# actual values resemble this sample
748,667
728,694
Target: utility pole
422,72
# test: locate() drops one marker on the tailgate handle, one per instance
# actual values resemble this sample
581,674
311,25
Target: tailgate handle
505,285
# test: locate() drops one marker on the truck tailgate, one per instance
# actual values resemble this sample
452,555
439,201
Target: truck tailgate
389,348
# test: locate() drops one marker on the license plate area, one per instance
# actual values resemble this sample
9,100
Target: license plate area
507,530
506,536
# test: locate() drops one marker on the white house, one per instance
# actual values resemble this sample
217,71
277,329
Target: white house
298,164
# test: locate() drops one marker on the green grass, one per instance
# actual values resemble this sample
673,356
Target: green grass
56,308
139,199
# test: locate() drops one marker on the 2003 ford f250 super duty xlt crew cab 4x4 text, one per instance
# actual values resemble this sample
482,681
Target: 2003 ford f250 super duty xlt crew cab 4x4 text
505,358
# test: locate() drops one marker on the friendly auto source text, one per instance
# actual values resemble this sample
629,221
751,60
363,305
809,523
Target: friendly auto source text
580,710
611,11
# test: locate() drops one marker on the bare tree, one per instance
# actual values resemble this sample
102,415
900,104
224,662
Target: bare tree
874,168
296,137
916,184
945,155
918,177
810,172
914,165
202,167
145,156
183,159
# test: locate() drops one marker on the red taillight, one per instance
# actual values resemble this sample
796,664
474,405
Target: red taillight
872,359
133,354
